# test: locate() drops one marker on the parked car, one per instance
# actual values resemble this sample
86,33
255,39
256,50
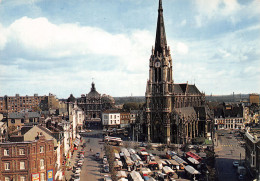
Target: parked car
97,156
107,178
241,177
235,164
106,168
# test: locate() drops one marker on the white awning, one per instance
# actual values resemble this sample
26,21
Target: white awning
179,160
191,170
136,176
193,161
167,170
76,142
121,174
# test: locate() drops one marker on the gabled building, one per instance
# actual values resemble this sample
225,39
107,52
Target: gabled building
57,149
16,120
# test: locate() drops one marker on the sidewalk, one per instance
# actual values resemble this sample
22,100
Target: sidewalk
69,173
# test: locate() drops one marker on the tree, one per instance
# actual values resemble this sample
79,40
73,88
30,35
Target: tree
132,106
111,157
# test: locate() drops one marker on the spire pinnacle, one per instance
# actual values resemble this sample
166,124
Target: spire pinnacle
160,40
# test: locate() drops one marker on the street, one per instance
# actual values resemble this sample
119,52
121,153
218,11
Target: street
91,168
228,150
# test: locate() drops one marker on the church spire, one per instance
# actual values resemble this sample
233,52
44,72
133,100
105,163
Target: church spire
93,87
160,40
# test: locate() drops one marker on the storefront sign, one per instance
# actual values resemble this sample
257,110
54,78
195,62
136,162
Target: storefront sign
35,177
50,175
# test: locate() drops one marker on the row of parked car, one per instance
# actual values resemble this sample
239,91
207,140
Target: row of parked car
78,166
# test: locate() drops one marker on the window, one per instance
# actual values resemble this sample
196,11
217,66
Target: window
22,178
7,166
22,120
41,163
7,178
21,151
41,149
42,177
22,165
6,152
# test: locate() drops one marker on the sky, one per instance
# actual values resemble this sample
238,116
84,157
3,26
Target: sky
60,47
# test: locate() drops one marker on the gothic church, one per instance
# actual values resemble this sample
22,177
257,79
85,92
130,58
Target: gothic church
175,113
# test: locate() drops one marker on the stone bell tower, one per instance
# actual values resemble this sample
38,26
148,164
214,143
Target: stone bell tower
159,88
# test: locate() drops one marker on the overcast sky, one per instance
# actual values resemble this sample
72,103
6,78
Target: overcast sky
60,46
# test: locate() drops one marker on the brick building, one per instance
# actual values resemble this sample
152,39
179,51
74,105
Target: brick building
19,103
24,160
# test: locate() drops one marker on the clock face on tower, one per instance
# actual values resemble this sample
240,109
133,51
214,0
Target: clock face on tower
157,64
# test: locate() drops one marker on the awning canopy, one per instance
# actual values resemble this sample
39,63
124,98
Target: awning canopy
76,142
117,156
193,161
179,160
135,157
145,171
118,163
121,174
136,176
174,162
191,170
167,170
131,151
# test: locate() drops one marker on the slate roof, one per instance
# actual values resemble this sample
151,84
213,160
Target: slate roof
228,111
186,88
201,112
16,115
186,111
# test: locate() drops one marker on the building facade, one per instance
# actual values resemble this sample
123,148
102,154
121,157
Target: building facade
24,161
252,152
229,116
26,103
163,97
111,119
93,104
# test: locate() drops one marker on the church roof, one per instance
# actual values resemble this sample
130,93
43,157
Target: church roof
93,92
71,98
186,111
186,89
